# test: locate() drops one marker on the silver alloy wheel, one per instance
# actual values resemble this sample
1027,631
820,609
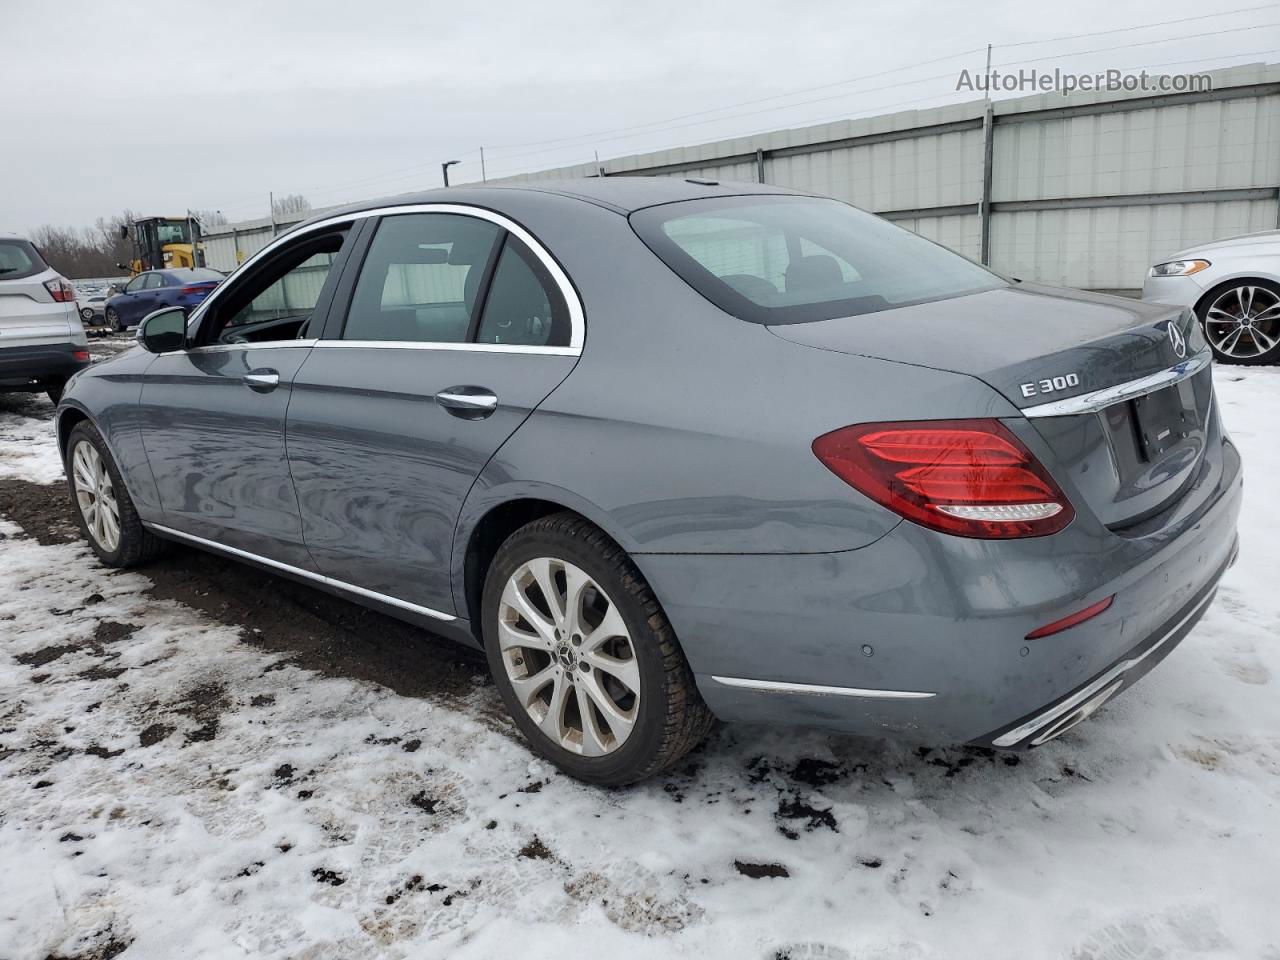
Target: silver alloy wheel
95,496
569,656
1244,322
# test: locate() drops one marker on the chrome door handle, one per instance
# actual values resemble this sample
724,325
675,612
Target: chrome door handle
469,403
263,381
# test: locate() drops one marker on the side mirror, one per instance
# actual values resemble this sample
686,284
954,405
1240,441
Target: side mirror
163,331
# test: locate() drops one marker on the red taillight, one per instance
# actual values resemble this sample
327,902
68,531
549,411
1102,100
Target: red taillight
971,478
81,355
1080,616
60,290
202,288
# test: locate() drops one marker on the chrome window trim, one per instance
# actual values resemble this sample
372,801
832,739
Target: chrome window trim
226,347
577,318
1106,397
317,577
468,347
820,690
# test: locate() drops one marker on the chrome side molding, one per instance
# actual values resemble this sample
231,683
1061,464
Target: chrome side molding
298,571
819,690
1101,399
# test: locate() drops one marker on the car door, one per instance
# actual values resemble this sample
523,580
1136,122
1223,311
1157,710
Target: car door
138,294
213,414
456,327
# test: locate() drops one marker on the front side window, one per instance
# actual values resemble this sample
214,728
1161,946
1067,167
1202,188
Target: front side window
798,259
277,300
138,283
421,279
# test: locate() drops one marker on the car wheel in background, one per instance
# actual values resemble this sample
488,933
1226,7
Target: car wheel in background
1241,321
54,390
86,315
101,504
114,321
583,656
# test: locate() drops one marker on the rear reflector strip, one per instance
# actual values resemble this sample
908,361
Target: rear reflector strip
1079,617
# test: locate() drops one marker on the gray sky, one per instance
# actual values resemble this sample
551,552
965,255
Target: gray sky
112,105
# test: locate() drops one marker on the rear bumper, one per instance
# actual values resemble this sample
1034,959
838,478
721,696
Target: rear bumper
923,635
1059,717
34,367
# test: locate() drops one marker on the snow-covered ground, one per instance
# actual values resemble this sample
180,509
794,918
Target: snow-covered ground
195,763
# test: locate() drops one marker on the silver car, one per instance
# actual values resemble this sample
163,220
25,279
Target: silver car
42,341
674,450
1233,285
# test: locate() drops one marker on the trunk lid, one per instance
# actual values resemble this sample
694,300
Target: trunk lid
1039,345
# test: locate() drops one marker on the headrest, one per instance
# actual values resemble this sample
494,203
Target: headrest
817,272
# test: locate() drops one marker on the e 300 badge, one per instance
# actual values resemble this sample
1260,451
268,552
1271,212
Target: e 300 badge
1052,385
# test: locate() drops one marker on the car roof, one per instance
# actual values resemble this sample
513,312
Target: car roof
622,194
179,271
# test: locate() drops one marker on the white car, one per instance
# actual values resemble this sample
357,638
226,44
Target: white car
42,342
1234,287
92,306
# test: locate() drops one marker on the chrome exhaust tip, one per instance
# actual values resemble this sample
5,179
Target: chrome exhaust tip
1080,713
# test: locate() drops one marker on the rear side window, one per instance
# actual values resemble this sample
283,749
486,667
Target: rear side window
523,307
798,259
421,279
19,259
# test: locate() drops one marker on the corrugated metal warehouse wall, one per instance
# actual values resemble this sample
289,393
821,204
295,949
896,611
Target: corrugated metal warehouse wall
1085,190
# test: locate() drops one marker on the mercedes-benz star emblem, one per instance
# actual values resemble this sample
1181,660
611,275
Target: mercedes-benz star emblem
1178,340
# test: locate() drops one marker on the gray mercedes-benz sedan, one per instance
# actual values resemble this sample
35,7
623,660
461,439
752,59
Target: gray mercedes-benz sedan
673,450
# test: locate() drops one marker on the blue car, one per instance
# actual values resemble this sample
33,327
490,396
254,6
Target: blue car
184,287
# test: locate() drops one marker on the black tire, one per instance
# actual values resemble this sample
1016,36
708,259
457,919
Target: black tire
54,390
114,321
86,315
671,716
137,545
1272,327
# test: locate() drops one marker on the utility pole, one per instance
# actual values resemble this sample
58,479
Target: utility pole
444,169
195,243
988,144
483,178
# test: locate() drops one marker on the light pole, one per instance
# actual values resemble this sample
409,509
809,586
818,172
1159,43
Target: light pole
444,169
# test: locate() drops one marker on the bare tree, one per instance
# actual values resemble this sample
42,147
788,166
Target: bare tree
293,203
210,218
96,251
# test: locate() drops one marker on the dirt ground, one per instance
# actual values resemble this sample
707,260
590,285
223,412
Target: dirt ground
319,632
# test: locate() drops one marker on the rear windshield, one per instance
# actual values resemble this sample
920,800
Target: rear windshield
797,259
19,259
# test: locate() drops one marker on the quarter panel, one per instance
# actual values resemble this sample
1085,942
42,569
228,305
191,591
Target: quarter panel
692,430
